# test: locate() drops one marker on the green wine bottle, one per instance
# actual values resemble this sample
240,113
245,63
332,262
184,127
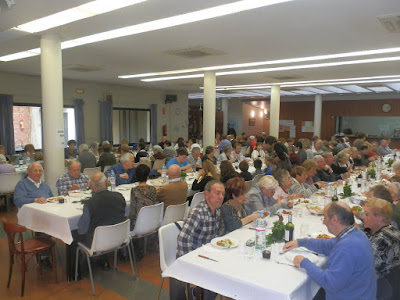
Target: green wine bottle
289,229
335,196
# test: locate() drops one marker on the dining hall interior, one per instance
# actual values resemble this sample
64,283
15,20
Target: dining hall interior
146,69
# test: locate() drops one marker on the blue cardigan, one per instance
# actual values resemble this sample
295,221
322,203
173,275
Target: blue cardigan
351,271
26,192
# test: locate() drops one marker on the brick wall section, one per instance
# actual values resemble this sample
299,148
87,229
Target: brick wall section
22,136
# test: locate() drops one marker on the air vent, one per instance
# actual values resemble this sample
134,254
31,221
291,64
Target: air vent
390,22
82,68
195,52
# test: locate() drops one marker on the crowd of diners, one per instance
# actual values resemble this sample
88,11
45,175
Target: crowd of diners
364,259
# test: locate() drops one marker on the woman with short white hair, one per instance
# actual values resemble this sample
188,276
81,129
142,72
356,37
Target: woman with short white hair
260,197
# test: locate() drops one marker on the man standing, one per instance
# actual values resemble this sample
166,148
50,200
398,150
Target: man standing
175,192
124,171
73,179
202,225
194,158
86,158
32,189
350,257
180,160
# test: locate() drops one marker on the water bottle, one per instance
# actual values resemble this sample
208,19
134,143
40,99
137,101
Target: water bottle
112,180
260,233
328,194
164,172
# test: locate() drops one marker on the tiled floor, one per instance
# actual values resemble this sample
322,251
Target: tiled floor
108,284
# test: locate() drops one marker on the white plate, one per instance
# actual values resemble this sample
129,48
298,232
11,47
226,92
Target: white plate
76,194
315,234
214,241
313,211
157,182
53,199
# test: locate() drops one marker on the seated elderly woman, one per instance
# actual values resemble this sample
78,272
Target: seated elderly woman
340,166
299,185
141,195
394,188
260,197
233,215
285,181
385,240
227,154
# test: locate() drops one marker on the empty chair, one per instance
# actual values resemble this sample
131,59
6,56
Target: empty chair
257,178
158,164
249,184
8,181
197,198
25,250
106,239
148,221
145,161
167,235
175,213
91,171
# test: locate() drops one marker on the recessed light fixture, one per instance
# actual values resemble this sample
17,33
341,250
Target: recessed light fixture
200,15
261,114
81,12
252,114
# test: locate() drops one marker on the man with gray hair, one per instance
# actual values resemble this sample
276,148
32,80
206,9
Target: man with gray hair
73,179
124,171
194,158
324,172
86,158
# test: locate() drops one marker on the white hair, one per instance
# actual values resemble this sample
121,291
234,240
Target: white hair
125,157
396,165
268,182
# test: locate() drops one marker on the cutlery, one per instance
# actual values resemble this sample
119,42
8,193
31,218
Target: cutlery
205,257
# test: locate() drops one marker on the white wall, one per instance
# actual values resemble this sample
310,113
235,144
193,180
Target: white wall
27,89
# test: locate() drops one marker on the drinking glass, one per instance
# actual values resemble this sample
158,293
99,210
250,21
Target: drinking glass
249,251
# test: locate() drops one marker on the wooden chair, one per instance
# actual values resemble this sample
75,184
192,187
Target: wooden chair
26,249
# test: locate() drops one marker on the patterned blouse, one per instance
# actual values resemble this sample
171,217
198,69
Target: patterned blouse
232,217
386,246
141,196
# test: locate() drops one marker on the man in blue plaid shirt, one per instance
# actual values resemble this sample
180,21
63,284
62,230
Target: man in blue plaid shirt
73,179
202,225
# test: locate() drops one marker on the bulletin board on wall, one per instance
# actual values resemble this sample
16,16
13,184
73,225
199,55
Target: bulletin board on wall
287,126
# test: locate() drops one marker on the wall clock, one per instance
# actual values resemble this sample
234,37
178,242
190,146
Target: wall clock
386,107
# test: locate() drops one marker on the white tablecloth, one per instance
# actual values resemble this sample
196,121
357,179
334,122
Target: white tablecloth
242,278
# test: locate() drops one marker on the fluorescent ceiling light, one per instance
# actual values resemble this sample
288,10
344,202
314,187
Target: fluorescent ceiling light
200,15
286,68
270,62
20,55
74,14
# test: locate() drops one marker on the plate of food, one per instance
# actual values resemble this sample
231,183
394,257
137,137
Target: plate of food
303,201
157,182
224,243
286,212
76,193
315,209
54,199
320,235
357,208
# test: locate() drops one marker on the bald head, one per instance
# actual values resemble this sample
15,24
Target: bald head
98,181
174,172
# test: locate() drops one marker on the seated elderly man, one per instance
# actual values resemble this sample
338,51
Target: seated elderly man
175,192
350,255
260,197
32,189
238,152
73,179
324,172
180,160
124,171
384,149
228,154
194,158
4,166
86,158
201,226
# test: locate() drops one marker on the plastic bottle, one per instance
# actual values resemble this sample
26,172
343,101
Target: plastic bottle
328,194
164,172
112,180
260,233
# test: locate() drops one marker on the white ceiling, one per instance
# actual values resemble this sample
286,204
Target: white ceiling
293,29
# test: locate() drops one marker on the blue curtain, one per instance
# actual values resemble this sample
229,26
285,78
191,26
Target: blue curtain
6,123
106,109
79,121
153,124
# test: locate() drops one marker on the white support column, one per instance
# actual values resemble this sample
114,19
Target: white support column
274,111
209,109
52,108
225,111
317,115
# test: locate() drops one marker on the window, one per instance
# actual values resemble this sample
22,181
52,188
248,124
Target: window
131,124
28,126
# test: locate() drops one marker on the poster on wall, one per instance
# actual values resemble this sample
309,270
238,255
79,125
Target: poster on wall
307,126
292,132
252,122
60,143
